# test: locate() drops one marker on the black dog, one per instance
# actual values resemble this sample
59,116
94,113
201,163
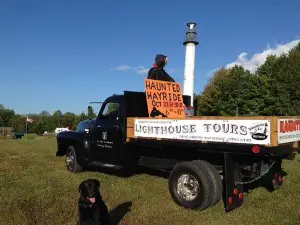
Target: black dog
91,207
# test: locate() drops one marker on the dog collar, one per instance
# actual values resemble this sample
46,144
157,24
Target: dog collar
85,205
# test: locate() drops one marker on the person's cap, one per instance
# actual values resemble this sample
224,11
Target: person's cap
161,59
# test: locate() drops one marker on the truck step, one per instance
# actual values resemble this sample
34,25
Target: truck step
158,163
105,165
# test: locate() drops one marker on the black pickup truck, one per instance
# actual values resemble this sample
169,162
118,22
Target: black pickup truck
201,172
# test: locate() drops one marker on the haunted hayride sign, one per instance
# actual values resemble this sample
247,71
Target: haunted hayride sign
164,99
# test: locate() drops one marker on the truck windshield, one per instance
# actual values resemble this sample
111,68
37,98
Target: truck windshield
109,108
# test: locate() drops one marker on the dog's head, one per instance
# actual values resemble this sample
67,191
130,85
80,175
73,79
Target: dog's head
89,190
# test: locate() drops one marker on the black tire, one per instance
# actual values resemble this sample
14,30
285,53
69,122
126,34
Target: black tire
200,173
74,167
216,181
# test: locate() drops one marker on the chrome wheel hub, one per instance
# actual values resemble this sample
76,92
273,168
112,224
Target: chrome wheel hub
187,187
70,160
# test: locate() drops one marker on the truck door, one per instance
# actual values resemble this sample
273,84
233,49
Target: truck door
107,133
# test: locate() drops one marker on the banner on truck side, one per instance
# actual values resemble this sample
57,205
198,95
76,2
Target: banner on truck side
288,130
164,99
231,131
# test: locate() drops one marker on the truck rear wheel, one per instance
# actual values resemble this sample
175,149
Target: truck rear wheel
190,185
216,181
71,161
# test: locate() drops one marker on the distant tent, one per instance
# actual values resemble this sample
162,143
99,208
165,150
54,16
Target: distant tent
60,129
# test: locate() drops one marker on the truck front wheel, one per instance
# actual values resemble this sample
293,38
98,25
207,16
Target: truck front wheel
71,161
190,185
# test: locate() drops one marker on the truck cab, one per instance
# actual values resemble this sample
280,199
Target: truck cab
104,140
105,136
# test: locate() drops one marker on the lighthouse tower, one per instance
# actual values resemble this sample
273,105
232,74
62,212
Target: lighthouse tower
189,69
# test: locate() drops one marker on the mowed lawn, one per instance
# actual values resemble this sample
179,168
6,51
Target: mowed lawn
35,188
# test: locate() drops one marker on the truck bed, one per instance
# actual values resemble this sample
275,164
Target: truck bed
256,130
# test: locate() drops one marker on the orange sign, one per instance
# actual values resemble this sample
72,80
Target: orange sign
164,99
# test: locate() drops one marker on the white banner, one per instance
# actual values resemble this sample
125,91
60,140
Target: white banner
231,131
288,130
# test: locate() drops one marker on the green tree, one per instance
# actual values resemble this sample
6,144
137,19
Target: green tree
57,113
112,107
281,75
272,90
232,92
6,116
44,113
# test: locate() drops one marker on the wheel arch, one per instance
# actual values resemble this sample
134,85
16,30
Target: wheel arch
63,145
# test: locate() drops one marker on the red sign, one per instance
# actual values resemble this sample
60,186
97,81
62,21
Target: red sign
289,126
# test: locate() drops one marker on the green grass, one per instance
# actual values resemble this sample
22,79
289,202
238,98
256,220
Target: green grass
35,188
30,136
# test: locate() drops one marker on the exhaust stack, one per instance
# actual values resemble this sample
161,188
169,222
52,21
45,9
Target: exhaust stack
189,69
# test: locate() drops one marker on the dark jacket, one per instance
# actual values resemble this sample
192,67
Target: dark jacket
156,73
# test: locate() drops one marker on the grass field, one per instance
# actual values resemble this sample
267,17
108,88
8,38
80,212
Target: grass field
35,188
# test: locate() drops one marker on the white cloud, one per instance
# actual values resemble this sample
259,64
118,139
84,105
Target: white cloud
142,70
139,70
170,71
258,59
122,68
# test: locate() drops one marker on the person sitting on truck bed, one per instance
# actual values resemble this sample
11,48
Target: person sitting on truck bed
157,72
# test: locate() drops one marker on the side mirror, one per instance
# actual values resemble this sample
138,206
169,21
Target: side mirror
90,112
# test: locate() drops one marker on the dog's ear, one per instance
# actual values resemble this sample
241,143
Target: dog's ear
97,182
80,187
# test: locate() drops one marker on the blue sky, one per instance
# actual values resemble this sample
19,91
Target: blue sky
62,54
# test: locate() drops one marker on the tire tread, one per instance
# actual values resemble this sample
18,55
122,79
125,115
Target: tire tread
77,168
216,181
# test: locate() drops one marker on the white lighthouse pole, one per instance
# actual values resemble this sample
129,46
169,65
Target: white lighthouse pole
189,69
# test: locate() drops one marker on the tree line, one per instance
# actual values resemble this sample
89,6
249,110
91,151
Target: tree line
41,122
274,89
